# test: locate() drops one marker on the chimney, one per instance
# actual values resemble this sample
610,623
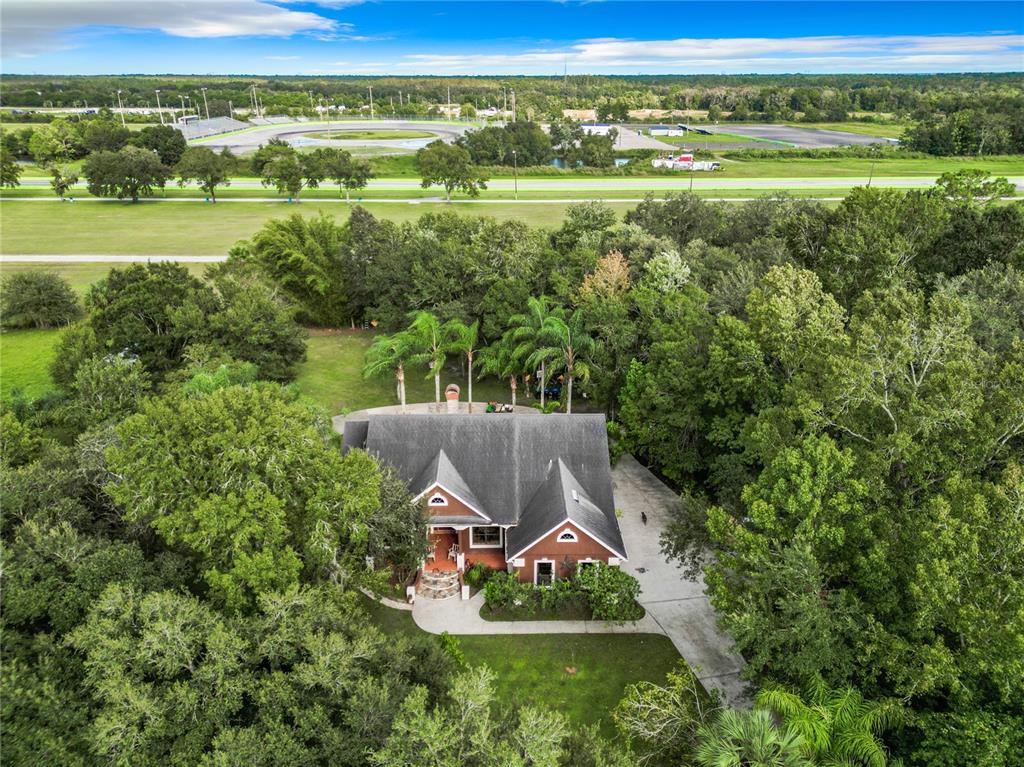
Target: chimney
451,394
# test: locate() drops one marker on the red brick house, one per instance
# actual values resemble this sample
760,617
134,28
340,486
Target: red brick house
529,494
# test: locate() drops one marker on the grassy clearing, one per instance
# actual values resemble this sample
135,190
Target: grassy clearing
363,135
198,228
531,668
25,359
332,376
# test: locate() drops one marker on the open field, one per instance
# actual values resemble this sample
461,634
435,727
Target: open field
81,275
362,135
882,130
197,228
531,668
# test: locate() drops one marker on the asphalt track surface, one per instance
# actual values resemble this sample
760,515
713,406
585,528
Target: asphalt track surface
801,138
250,139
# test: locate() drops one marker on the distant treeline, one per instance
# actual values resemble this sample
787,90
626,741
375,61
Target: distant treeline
770,96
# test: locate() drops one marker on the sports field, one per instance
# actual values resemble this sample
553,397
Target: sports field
366,135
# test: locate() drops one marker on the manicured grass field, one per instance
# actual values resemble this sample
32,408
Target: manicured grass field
886,130
698,139
81,276
24,361
363,135
197,228
799,167
531,668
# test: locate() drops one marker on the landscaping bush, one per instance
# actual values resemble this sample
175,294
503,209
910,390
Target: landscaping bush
479,574
504,591
37,300
610,591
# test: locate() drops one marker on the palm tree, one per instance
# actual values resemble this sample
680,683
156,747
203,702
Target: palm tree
498,360
837,725
749,739
465,339
568,345
525,334
429,343
389,353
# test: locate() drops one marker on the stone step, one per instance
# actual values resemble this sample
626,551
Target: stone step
447,592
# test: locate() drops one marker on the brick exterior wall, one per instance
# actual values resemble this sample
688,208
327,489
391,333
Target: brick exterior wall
455,507
549,547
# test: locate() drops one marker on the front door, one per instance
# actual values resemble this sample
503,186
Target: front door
544,573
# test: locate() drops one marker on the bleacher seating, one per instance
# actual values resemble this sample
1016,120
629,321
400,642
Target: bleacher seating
211,127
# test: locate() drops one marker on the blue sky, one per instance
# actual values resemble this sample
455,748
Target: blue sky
472,37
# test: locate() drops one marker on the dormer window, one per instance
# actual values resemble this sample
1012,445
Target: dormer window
567,536
437,500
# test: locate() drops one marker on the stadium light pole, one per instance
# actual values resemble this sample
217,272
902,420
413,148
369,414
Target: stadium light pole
207,106
182,104
120,106
158,107
371,102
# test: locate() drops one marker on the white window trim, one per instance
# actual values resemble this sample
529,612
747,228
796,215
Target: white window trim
554,572
570,532
437,486
499,545
431,504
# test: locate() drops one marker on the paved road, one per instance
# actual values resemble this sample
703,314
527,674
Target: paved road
660,183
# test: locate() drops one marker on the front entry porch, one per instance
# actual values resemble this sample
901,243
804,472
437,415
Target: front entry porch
444,552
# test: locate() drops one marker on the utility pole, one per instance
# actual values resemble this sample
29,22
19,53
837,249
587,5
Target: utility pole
312,107
449,110
231,109
371,101
158,108
120,106
515,174
182,104
205,105
513,106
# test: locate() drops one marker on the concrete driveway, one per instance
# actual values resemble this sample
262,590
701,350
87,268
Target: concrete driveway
676,603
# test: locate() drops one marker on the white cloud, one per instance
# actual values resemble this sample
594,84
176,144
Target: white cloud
31,27
893,53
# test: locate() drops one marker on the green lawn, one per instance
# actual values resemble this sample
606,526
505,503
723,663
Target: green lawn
733,166
882,130
198,228
531,668
24,361
332,376
363,135
81,276
697,139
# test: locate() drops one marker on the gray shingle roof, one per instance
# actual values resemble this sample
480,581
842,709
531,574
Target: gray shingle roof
440,471
503,462
562,498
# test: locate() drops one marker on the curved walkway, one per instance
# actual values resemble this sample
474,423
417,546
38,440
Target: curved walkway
676,606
